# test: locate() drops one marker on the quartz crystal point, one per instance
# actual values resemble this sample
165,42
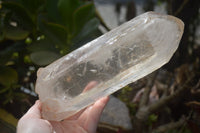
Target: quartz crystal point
110,62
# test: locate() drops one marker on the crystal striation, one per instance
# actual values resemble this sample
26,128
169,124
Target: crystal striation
106,64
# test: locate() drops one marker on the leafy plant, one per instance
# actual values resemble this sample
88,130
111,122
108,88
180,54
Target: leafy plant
36,32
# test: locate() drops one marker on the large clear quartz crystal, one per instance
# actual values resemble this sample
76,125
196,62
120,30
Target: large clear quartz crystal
110,62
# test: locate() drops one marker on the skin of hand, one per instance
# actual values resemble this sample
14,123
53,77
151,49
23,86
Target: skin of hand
85,121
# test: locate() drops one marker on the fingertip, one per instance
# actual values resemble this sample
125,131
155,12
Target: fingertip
34,111
104,100
100,104
93,113
90,85
38,104
37,101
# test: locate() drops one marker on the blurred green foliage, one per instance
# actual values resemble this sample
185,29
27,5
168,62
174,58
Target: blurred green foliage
34,33
152,118
8,122
125,96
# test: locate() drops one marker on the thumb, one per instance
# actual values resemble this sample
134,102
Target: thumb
31,122
34,111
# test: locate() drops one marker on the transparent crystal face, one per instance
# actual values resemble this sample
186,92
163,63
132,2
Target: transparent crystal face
117,58
121,59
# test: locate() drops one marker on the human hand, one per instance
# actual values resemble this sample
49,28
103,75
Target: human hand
84,121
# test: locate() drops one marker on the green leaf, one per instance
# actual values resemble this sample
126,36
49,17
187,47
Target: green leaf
88,30
82,15
33,6
96,33
52,10
8,76
2,90
66,9
7,117
152,118
6,53
56,33
14,33
19,12
43,58
42,45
